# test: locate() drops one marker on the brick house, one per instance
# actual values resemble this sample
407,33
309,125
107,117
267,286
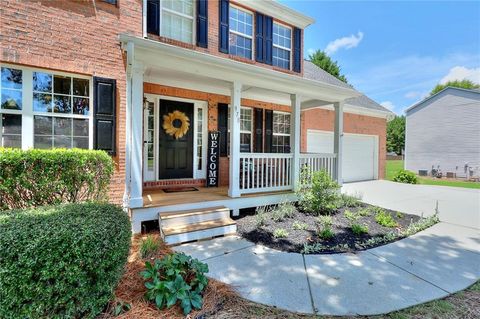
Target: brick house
154,83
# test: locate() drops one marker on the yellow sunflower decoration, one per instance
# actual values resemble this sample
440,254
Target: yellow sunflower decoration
176,124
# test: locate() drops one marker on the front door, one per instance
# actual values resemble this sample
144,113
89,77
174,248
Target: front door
175,140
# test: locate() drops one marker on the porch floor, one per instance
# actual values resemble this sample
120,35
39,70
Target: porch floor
157,197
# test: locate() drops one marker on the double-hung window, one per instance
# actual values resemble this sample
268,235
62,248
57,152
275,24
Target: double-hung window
282,46
177,19
281,132
11,93
246,122
241,32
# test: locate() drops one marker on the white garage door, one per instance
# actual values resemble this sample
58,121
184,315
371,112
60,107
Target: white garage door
360,153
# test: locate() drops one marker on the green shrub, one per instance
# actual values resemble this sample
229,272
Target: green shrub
318,193
261,215
63,261
299,225
385,219
148,246
364,212
351,216
359,229
326,233
346,200
176,278
280,233
325,220
404,176
36,177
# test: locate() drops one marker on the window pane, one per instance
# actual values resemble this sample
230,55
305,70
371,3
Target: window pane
62,126
62,141
61,84
11,78
42,142
177,27
42,82
80,142
240,46
42,102
245,142
14,141
80,127
62,104
42,125
80,87
11,99
81,106
11,130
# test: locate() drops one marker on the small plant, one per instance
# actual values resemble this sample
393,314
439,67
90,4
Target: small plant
120,307
364,212
420,225
312,248
326,233
261,215
286,209
176,278
385,219
318,193
404,176
359,229
351,216
325,221
280,233
148,246
299,225
399,215
346,200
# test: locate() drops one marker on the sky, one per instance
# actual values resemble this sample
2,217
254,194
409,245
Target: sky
396,51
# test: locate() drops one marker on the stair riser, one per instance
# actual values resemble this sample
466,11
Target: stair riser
193,219
200,234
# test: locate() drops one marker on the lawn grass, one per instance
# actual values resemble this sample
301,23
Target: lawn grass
392,167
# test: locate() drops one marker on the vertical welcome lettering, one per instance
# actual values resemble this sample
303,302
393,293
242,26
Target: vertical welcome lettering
212,158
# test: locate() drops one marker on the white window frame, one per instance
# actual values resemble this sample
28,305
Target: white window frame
251,37
250,109
27,112
282,47
282,134
162,9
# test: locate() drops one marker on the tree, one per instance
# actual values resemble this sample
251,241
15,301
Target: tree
396,135
323,61
464,84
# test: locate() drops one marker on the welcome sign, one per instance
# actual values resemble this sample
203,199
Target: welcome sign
213,158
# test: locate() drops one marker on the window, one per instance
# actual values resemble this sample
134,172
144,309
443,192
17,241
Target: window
282,46
177,20
281,132
246,121
241,32
57,108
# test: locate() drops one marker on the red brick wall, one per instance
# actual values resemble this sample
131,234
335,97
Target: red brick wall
319,119
77,37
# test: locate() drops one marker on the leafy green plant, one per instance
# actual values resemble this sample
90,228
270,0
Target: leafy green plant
280,233
406,177
420,225
385,219
318,193
176,278
399,215
359,229
62,261
326,233
351,216
364,212
120,307
31,178
148,246
282,211
346,200
299,225
261,215
324,220
312,248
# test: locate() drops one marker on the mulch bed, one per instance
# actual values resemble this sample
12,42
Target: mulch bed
344,241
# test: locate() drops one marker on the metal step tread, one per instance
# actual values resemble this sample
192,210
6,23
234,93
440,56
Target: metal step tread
192,212
187,228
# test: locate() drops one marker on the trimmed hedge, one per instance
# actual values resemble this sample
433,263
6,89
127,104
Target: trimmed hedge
404,176
61,262
35,177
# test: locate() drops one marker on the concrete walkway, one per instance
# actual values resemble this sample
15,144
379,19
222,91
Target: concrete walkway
429,265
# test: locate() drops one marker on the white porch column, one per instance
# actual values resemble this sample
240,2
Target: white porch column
136,146
295,142
338,140
234,176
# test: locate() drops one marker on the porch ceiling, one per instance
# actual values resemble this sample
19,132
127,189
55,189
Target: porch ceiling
166,63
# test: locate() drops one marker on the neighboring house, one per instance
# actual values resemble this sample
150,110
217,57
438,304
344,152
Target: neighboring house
443,131
151,81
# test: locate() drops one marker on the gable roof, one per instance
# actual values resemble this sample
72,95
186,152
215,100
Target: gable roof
448,88
313,72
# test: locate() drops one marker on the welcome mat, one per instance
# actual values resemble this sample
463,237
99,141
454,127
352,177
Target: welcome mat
180,189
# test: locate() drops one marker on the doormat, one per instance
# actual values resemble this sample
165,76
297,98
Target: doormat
180,189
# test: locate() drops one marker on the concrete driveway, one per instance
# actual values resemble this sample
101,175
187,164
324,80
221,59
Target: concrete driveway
455,205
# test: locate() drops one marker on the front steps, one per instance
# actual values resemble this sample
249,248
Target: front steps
190,225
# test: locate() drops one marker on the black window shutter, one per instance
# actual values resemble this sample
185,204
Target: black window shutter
222,128
297,50
202,23
104,114
224,28
268,130
268,35
153,16
259,41
258,143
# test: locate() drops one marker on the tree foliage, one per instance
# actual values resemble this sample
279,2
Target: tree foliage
396,135
464,84
323,61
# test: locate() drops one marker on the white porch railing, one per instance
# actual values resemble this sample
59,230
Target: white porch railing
314,162
265,172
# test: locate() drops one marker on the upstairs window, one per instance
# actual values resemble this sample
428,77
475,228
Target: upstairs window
282,46
241,32
177,20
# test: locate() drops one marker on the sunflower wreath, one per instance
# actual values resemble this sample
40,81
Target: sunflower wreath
171,119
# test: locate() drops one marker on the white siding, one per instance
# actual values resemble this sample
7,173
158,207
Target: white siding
444,131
